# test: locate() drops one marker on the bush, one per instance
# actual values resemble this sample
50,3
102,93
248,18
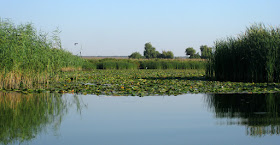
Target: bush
136,55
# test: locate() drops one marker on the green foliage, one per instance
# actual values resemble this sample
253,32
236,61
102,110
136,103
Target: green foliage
89,66
135,55
171,64
191,52
253,56
142,82
158,54
114,64
206,51
195,56
150,51
147,64
24,50
167,55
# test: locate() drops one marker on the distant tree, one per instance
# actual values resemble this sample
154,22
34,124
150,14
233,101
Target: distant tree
158,54
150,51
167,54
190,51
195,56
205,51
170,54
135,55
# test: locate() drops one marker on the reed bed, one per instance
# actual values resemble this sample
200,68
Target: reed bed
146,64
111,63
29,57
251,57
171,64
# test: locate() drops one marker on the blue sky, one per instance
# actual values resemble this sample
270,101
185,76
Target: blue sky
120,27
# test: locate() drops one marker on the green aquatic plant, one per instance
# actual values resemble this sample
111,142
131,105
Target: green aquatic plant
29,58
252,57
146,82
147,64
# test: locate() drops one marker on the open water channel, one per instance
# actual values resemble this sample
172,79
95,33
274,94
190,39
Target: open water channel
56,119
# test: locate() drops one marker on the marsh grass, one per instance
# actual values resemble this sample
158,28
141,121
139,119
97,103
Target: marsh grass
171,64
251,57
67,69
29,58
110,63
146,64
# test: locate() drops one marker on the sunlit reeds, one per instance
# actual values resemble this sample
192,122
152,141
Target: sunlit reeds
251,57
147,64
29,57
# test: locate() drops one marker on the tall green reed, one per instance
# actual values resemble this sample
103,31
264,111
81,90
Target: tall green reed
147,64
251,57
171,64
26,53
114,64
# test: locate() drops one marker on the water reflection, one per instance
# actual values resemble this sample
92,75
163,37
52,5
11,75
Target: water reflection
24,116
260,113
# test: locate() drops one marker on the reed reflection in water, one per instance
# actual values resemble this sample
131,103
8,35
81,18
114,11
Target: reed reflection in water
24,116
260,113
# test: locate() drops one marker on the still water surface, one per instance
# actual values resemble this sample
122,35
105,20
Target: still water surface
165,120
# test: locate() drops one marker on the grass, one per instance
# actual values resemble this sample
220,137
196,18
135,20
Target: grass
147,64
251,57
29,58
114,64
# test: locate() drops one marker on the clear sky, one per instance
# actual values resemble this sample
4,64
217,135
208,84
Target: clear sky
120,27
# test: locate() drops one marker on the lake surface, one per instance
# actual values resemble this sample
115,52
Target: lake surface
68,119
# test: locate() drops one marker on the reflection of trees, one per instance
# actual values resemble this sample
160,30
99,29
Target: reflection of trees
23,116
260,113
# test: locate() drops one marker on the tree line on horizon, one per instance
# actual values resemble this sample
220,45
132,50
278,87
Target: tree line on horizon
150,52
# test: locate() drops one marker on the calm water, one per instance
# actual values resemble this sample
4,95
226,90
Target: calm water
165,120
